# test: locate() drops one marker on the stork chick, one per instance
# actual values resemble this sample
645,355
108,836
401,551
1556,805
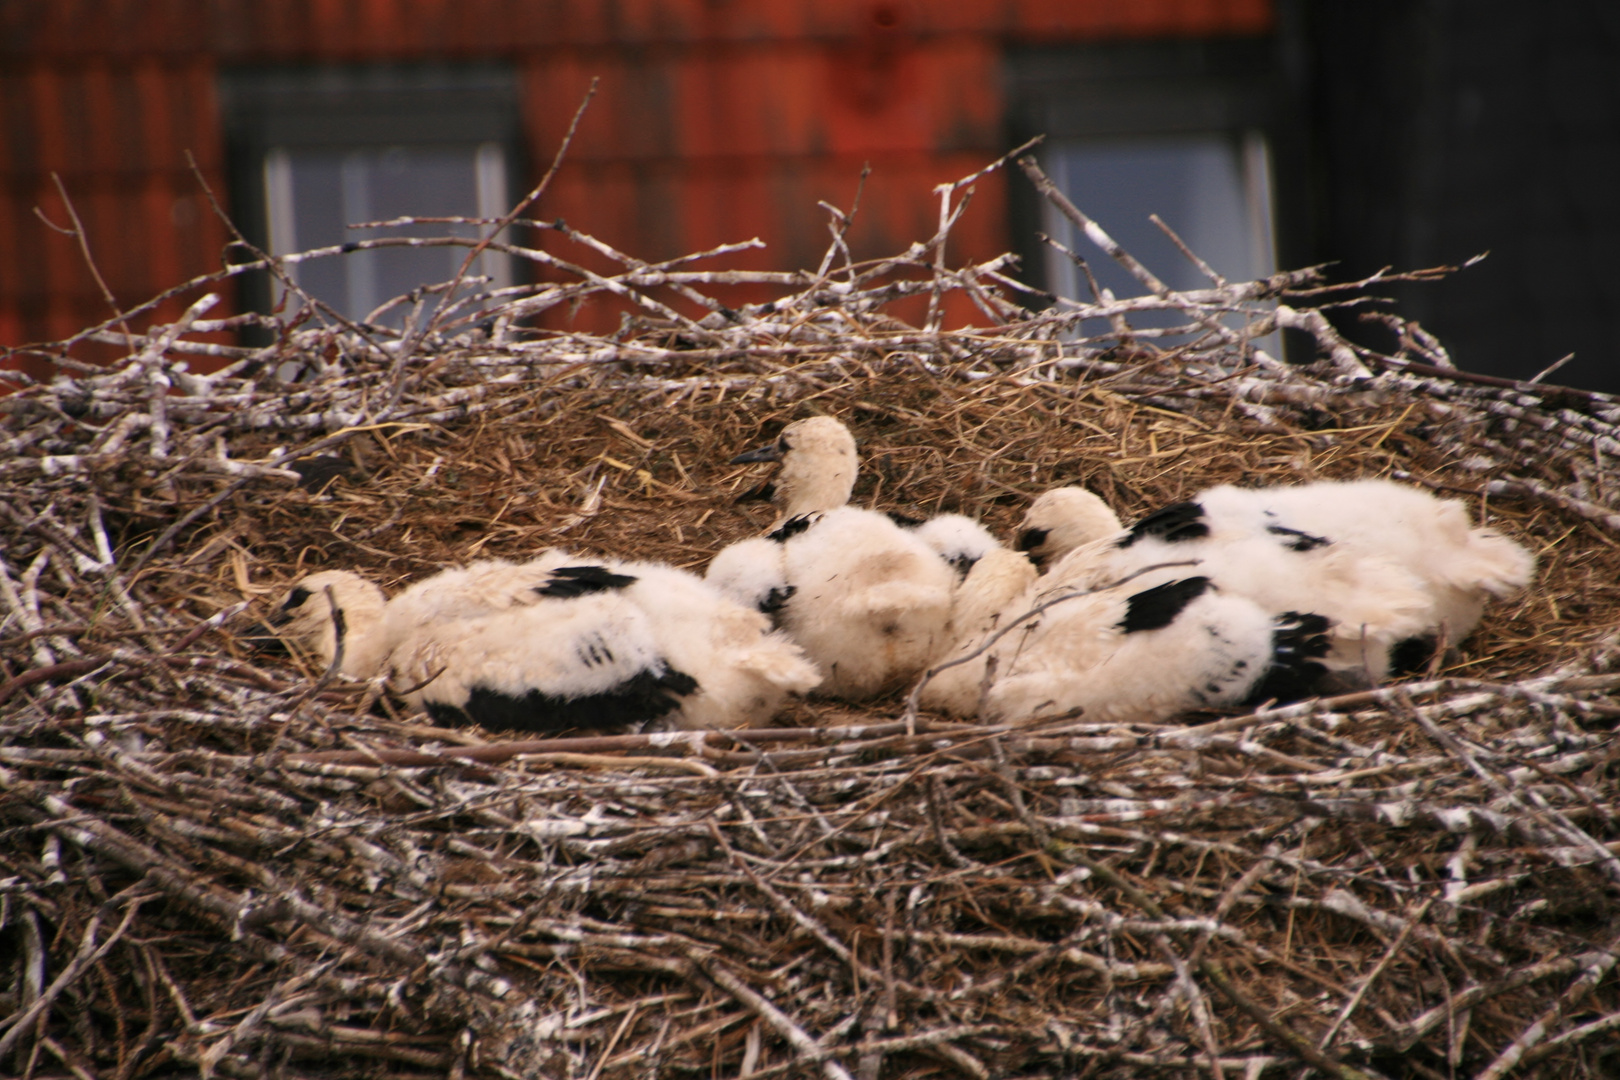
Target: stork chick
557,643
866,599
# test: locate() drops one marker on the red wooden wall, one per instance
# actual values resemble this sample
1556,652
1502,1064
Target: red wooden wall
717,120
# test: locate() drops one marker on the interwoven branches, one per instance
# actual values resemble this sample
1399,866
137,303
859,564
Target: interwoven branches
221,862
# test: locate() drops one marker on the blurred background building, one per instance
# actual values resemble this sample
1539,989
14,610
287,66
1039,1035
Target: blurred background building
1268,133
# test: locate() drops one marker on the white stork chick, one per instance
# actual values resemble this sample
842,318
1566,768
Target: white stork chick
1392,567
1458,565
988,578
559,643
867,600
1131,654
1062,519
1369,603
983,600
817,467
580,655
1411,570
1154,654
956,538
1372,603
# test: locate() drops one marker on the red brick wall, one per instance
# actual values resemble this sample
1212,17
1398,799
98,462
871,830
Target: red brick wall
717,120
115,130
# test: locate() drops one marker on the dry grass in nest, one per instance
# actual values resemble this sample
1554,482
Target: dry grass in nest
931,444
222,864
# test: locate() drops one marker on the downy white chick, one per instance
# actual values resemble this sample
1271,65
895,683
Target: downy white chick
1062,519
989,578
867,600
1167,641
1131,654
982,603
1459,566
1390,566
956,538
558,643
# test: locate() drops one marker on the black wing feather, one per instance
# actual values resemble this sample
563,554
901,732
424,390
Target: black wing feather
1158,607
568,582
1172,524
1030,539
1301,541
793,526
776,600
1297,643
645,696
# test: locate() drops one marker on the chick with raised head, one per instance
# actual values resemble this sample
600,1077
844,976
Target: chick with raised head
867,600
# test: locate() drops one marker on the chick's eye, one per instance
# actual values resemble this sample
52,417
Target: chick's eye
783,445
295,599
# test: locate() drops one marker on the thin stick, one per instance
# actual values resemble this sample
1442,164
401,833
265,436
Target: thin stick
78,234
88,955
774,1017
523,204
1192,257
909,717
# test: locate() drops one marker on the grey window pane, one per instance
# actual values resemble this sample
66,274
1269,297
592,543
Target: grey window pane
1211,189
324,191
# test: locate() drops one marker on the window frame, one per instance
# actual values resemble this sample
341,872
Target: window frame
337,107
1229,87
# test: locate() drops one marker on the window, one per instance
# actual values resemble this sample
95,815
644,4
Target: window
1188,130
315,152
1213,190
314,198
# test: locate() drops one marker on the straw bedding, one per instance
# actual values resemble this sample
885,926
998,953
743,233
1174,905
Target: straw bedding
221,863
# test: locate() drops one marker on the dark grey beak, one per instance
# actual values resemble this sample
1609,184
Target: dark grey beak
771,451
262,638
1028,541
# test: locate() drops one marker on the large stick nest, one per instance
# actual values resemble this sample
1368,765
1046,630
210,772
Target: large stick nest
218,863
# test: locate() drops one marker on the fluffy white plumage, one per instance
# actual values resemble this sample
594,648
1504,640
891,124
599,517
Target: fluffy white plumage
559,642
982,602
957,539
743,668
1458,565
1388,564
1062,519
1215,653
586,662
753,573
1372,603
870,603
1123,654
867,599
